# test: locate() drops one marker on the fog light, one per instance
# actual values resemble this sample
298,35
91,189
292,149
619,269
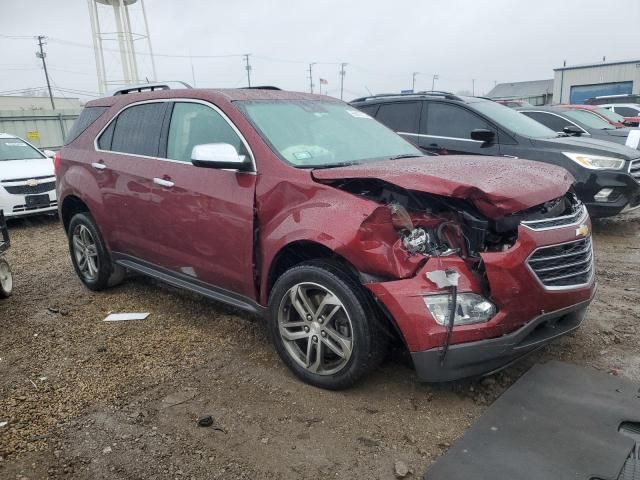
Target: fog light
470,308
603,195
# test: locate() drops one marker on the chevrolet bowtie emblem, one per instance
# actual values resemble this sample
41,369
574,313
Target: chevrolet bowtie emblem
582,230
33,182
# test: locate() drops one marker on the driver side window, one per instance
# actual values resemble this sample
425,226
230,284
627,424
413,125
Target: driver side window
196,124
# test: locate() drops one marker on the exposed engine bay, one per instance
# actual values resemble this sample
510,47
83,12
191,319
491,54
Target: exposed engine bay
417,225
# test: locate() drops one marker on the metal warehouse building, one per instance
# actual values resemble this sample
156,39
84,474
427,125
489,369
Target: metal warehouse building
577,83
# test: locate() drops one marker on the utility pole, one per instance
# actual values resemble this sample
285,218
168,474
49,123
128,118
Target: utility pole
311,77
413,83
42,55
433,81
247,68
342,74
473,87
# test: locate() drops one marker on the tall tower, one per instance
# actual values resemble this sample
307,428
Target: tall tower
121,35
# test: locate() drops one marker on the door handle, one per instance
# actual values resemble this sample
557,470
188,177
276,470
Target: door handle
99,165
162,182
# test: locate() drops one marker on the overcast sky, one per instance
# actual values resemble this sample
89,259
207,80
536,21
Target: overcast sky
383,42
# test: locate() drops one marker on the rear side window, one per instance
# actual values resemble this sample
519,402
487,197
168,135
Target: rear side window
86,118
197,124
549,120
137,130
401,116
446,120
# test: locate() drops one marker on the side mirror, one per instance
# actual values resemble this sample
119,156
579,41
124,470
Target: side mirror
483,135
218,155
49,153
573,131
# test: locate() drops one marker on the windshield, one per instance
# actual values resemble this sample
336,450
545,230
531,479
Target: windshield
324,134
609,115
591,120
16,149
513,120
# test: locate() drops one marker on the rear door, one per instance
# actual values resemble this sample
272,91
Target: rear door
401,117
200,220
446,129
126,155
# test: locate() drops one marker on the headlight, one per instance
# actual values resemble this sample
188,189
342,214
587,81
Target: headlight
470,308
595,162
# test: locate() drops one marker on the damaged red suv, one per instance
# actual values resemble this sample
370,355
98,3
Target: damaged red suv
342,235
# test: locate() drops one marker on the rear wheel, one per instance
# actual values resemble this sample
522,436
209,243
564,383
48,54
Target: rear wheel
6,279
324,326
89,255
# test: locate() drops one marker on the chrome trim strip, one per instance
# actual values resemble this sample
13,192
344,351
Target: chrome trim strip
568,265
176,100
581,218
584,132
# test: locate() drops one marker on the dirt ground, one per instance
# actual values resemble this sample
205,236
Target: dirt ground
91,400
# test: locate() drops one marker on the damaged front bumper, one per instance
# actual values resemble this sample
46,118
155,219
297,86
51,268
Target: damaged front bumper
530,312
486,356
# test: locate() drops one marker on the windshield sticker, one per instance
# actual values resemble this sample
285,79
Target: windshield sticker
358,114
15,144
302,155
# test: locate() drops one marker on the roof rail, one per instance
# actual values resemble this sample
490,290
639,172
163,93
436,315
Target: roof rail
425,93
261,87
150,87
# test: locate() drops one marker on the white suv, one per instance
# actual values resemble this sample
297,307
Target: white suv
27,181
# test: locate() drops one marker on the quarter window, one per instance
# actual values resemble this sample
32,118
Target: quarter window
400,117
626,111
196,124
137,130
446,120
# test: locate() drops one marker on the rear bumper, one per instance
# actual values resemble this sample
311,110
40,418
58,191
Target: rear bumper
485,356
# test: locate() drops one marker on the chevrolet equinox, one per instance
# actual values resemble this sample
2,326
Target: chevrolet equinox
340,233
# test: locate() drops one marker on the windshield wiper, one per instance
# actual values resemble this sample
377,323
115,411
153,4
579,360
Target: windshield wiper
405,155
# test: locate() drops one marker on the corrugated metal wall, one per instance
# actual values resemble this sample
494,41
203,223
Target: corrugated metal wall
42,128
593,75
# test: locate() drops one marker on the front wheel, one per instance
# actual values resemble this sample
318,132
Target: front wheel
6,279
324,326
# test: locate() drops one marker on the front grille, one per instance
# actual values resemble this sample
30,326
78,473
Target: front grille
634,169
30,190
579,212
563,266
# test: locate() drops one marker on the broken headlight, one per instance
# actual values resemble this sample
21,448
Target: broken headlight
470,308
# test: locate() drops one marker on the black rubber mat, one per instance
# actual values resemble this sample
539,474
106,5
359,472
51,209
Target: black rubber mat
557,422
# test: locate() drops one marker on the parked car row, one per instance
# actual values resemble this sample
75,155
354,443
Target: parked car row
607,174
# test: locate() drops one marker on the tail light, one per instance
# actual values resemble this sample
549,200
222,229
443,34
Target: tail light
56,163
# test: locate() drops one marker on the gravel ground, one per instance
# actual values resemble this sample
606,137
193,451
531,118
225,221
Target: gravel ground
88,399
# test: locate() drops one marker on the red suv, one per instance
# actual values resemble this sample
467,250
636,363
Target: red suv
337,231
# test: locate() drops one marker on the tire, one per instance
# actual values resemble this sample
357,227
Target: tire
330,347
89,255
6,279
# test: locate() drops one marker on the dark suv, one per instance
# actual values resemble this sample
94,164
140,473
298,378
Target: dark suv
607,175
341,234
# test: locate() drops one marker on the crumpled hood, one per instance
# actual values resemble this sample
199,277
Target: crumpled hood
497,186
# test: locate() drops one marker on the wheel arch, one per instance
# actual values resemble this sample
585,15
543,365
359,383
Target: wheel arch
71,205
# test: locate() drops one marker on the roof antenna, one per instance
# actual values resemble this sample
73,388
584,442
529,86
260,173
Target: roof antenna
365,87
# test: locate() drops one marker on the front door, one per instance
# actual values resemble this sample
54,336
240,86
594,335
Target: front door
446,129
201,220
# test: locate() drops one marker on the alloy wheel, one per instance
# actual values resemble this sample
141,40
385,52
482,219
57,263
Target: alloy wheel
315,328
85,252
6,278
